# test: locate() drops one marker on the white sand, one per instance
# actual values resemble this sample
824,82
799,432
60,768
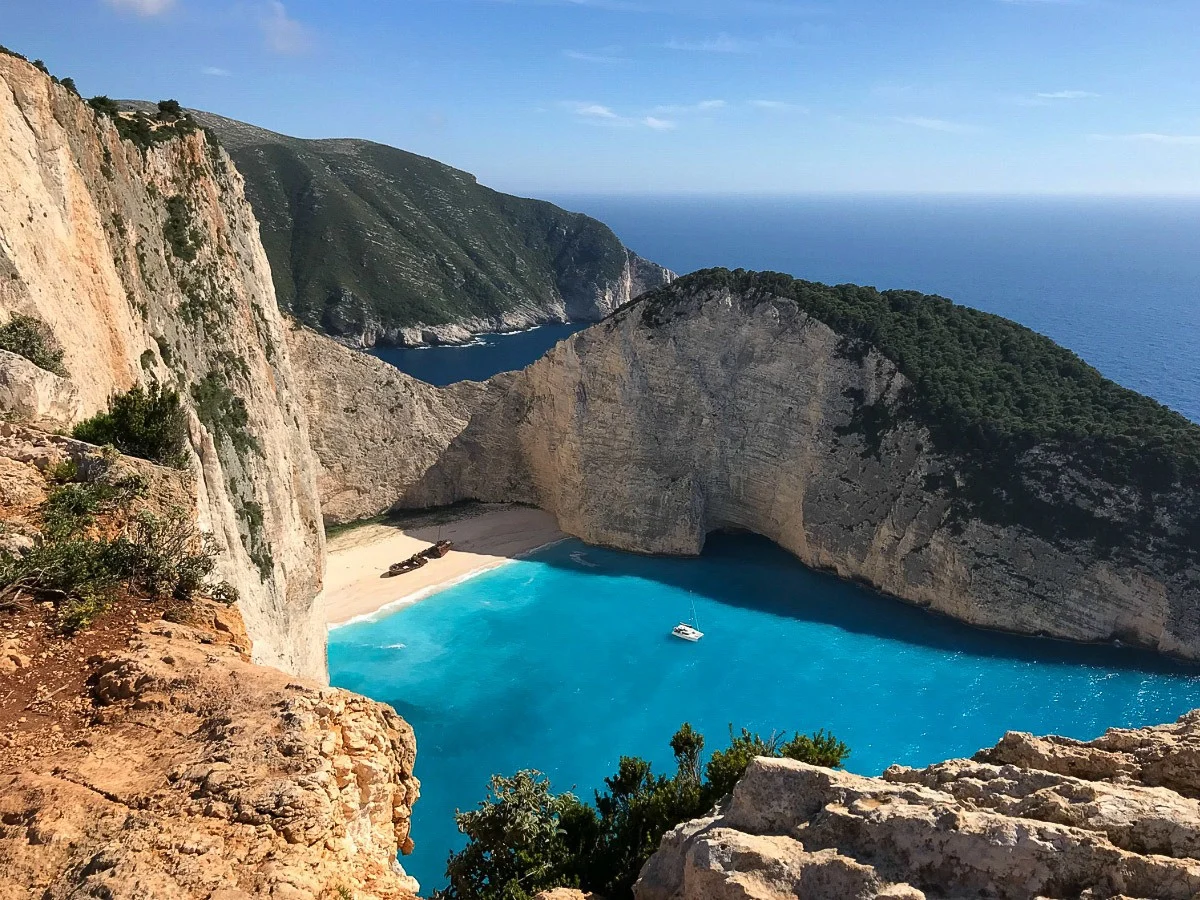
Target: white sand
484,536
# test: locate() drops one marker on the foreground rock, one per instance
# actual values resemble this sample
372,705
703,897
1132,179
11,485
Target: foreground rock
204,776
1030,818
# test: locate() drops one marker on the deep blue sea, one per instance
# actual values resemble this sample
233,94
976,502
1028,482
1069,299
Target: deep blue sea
563,661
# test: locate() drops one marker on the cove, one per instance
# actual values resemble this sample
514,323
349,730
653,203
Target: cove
563,662
487,355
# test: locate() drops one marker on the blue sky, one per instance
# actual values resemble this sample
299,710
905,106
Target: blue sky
667,96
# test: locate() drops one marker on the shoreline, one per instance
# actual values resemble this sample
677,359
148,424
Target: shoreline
485,537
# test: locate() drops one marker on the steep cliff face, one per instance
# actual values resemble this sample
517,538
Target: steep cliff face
373,245
374,430
710,409
146,263
1032,817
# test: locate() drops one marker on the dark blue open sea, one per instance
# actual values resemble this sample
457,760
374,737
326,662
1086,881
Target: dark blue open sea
562,661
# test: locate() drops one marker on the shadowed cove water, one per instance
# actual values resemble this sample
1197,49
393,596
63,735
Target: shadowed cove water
564,661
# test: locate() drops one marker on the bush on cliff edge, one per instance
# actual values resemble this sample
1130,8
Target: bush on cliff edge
524,839
145,422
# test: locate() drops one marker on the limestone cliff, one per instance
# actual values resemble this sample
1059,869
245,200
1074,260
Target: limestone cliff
1032,817
374,430
145,261
703,409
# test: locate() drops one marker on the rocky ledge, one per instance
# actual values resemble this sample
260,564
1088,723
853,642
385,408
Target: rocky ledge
1117,817
202,775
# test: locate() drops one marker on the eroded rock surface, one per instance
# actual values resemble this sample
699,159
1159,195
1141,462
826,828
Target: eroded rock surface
205,776
147,264
374,430
1030,818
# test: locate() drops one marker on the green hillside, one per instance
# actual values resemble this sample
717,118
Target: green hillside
365,238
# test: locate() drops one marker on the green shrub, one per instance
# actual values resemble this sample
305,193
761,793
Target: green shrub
81,566
523,839
105,106
169,111
30,337
177,230
515,843
223,412
145,422
69,84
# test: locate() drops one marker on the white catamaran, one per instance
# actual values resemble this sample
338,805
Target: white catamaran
689,632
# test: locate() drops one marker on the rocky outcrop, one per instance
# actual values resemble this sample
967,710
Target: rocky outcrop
145,262
1030,818
34,396
743,412
584,298
203,776
374,430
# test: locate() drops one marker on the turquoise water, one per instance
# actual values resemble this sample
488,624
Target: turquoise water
563,661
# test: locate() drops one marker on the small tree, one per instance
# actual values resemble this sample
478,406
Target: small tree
169,111
516,844
525,839
147,423
105,106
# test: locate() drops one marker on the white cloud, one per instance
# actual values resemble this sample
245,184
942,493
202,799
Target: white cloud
658,124
722,43
143,7
1150,137
607,55
595,111
215,71
598,114
930,124
282,33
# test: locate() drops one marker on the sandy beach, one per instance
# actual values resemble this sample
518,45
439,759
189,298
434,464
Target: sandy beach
485,536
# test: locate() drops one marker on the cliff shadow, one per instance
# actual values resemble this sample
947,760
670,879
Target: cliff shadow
751,572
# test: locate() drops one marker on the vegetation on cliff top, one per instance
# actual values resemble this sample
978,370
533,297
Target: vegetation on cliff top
360,233
524,839
141,129
94,541
148,423
30,337
989,390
